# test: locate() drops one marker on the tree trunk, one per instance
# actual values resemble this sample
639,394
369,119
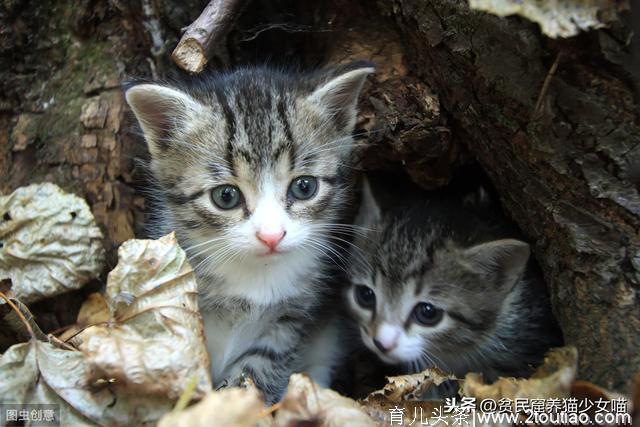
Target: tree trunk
568,173
553,123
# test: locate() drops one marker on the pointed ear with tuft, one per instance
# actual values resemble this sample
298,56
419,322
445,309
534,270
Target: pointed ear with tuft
369,213
162,112
339,94
504,261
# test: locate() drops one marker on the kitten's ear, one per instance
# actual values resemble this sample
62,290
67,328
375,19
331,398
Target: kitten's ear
504,260
369,213
339,94
161,111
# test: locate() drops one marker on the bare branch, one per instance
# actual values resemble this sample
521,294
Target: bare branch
207,31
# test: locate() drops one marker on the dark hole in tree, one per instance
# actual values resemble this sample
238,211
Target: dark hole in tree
399,125
73,215
364,373
6,216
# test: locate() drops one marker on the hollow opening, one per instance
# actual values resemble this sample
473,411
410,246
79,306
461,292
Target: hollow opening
404,135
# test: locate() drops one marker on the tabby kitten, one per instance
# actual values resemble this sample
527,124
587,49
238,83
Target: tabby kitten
252,167
438,284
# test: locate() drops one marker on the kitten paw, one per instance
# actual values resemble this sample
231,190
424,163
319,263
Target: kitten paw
242,380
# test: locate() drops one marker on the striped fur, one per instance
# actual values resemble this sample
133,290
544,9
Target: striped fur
495,317
258,130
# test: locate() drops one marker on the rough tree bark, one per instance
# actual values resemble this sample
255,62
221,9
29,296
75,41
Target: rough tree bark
452,85
568,174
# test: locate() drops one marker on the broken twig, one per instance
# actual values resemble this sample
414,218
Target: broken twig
207,31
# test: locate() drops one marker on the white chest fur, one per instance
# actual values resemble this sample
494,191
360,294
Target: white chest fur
232,329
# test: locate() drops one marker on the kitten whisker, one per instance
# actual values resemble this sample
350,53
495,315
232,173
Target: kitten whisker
440,363
214,257
206,242
341,230
350,226
339,260
336,143
355,250
230,258
319,253
209,245
333,147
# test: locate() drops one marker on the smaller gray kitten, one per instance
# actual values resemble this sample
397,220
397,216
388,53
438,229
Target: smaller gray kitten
437,283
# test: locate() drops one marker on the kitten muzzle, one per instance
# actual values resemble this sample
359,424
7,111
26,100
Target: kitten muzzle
271,239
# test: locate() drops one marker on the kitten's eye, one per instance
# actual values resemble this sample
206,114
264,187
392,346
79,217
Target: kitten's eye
304,187
427,314
226,196
365,297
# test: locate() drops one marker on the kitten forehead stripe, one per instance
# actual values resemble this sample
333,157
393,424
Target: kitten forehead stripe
282,114
230,125
216,170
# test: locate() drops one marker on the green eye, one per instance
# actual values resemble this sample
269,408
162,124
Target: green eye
303,187
226,196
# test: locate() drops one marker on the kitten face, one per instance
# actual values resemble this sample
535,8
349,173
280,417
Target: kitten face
420,297
251,165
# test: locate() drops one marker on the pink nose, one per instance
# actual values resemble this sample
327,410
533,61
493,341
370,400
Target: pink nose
271,239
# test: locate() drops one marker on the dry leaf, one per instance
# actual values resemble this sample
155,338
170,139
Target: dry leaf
49,242
551,380
306,403
232,407
557,18
409,387
131,369
39,372
405,392
153,343
93,311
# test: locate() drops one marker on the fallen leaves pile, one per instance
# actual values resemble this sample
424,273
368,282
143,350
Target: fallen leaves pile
136,355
